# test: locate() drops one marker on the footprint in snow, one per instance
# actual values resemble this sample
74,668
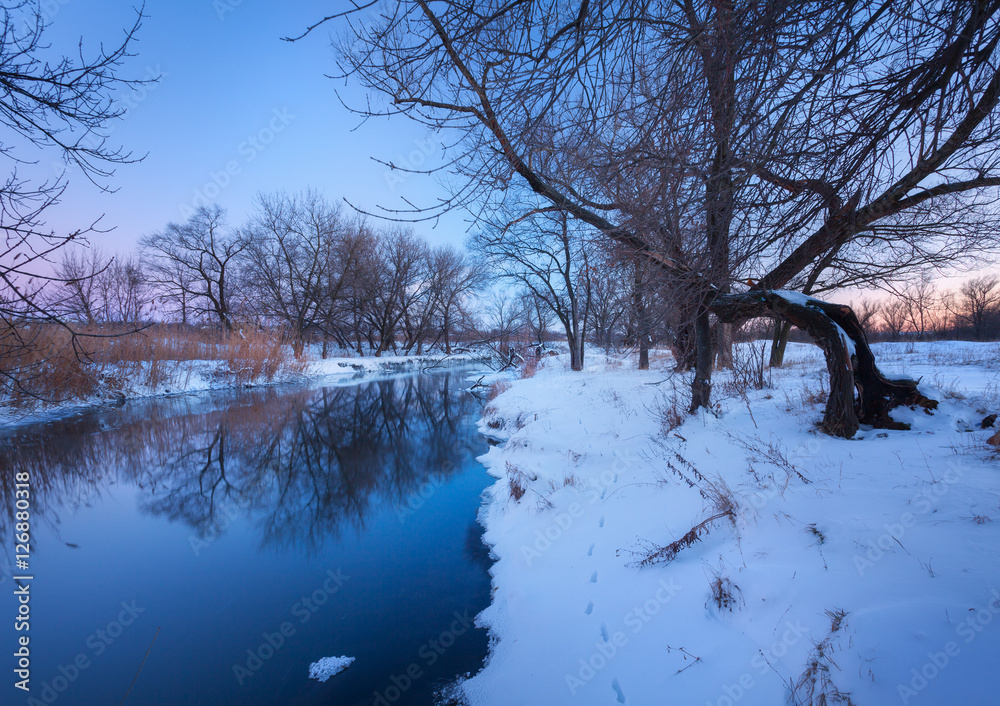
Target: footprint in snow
604,632
601,522
590,552
618,690
593,577
590,608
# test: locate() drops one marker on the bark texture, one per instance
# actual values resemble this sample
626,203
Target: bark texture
859,392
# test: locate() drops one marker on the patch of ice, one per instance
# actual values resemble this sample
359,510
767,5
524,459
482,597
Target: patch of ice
328,667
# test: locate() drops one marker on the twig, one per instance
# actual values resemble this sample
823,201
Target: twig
140,668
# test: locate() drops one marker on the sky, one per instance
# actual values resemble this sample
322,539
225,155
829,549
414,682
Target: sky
236,112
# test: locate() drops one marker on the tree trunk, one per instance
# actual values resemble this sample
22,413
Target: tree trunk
779,342
575,338
683,345
849,359
724,345
701,386
641,318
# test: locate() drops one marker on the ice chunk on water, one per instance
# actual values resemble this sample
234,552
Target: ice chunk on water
328,667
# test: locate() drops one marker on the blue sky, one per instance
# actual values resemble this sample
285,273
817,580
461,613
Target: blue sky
236,112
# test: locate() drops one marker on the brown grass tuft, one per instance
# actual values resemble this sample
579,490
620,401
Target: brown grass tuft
518,482
497,389
105,361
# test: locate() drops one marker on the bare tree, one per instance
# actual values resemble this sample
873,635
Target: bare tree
920,304
894,314
978,298
610,305
455,278
126,290
61,104
398,281
292,243
205,249
79,297
782,112
503,319
868,311
543,255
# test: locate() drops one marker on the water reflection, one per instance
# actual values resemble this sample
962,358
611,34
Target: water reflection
302,465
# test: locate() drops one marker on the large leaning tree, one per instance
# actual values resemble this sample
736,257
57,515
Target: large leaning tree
743,147
59,102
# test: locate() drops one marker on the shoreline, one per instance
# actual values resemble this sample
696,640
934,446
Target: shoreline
199,376
834,566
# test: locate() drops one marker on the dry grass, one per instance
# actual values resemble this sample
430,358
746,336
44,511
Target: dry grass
671,408
497,389
255,356
652,556
815,685
530,365
51,366
518,482
750,370
725,594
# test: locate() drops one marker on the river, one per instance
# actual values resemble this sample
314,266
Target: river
208,548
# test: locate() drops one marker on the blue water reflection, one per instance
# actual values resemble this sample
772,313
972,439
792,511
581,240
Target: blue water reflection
259,531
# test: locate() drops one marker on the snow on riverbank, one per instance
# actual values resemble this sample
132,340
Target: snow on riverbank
864,567
186,377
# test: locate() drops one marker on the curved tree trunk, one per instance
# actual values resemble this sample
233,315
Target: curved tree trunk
849,359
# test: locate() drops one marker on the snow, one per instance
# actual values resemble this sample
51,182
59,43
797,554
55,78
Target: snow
189,377
794,297
805,300
875,573
328,667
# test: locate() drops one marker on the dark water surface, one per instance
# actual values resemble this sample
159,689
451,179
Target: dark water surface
258,531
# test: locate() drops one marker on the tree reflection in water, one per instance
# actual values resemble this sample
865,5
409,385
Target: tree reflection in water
301,465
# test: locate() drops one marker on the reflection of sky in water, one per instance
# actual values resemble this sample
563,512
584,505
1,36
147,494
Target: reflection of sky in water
218,515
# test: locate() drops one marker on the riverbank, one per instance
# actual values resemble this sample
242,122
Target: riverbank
134,381
644,556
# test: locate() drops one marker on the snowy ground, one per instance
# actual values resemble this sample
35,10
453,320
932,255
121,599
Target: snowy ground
864,569
188,377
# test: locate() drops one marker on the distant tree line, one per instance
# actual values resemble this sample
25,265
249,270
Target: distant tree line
737,149
299,263
920,311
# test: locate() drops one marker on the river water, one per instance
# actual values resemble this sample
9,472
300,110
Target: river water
231,539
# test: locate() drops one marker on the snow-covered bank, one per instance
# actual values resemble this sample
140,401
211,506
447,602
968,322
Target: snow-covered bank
187,377
864,569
